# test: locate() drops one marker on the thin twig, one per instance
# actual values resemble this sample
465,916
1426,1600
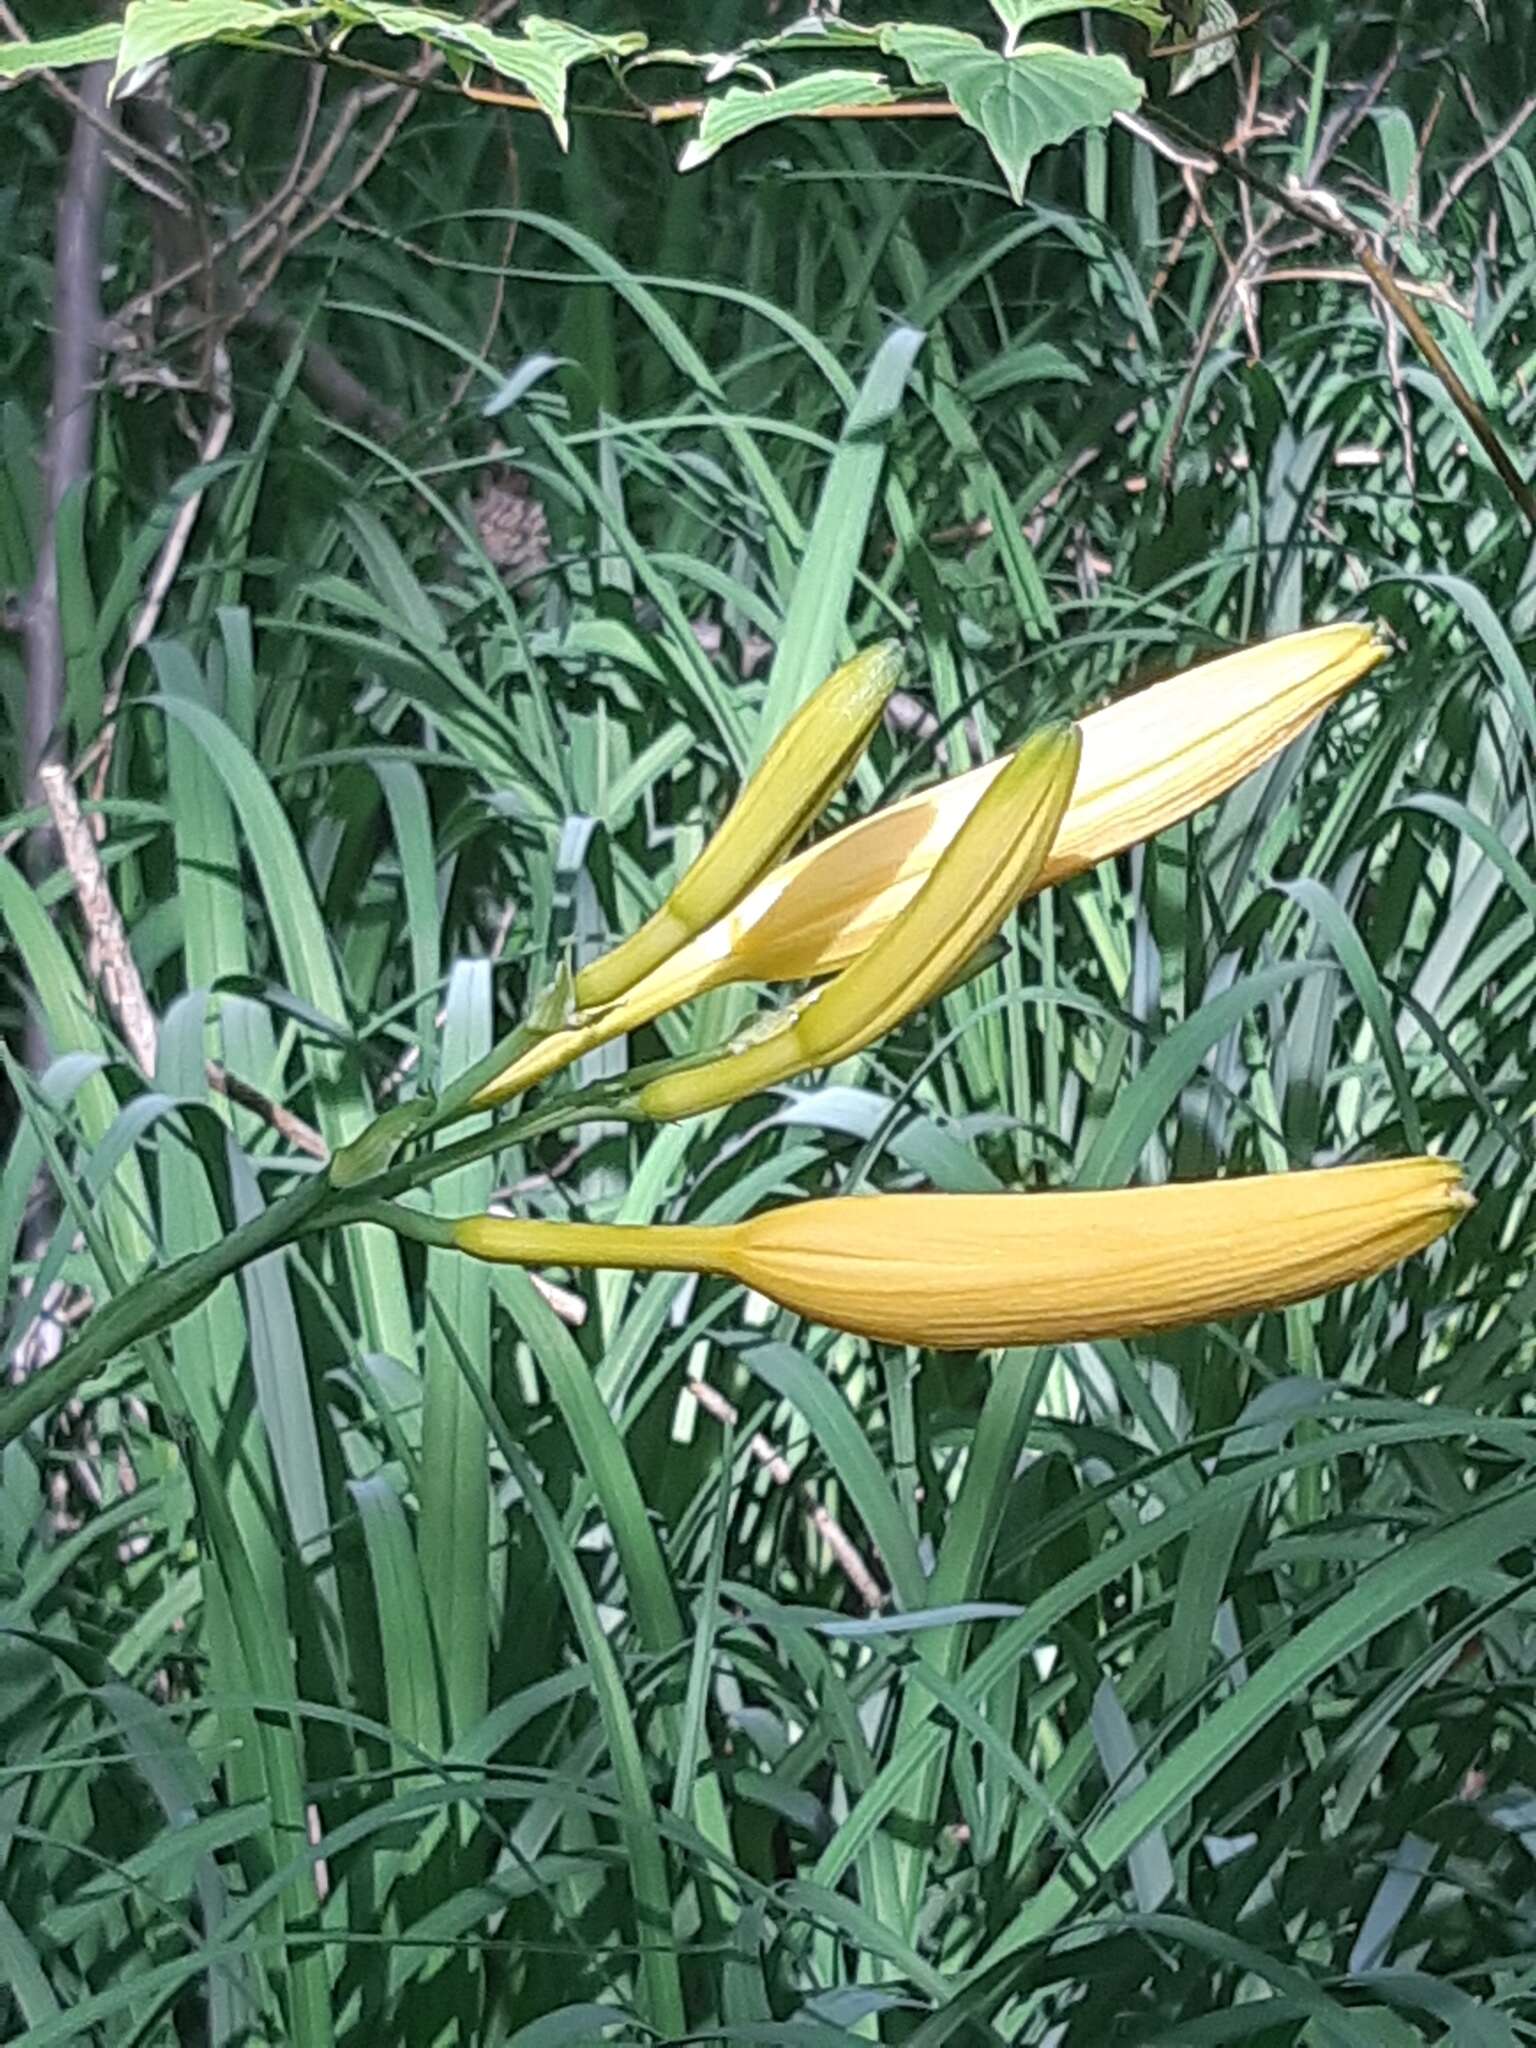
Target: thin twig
1462,177
289,183
470,371
1252,127
109,958
1174,255
209,264
1204,342
1420,155
302,1136
421,75
113,968
1207,39
1341,124
1392,339
111,965
291,191
1187,158
781,1472
1319,209
1322,273
276,229
162,576
1411,318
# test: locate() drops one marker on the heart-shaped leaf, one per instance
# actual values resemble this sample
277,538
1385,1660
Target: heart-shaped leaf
1039,96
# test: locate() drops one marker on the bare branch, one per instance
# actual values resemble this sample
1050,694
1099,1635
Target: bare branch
781,1472
302,1136
109,958
162,576
72,419
1458,182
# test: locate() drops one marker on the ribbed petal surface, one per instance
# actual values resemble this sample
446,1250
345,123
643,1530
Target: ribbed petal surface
966,1271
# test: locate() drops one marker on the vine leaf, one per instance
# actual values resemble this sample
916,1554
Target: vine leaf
539,59
1039,96
153,29
1216,21
1018,15
61,53
740,110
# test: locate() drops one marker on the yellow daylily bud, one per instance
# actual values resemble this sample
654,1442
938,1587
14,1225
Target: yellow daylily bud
965,1272
1148,760
805,766
974,886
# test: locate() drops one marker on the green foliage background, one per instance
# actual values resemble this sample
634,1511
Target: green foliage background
1198,1708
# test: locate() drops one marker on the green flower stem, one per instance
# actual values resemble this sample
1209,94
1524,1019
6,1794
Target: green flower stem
155,1301
455,1100
164,1296
417,1224
601,1103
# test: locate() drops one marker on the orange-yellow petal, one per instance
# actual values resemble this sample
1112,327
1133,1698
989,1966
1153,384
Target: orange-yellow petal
972,889
807,762
965,1272
1148,760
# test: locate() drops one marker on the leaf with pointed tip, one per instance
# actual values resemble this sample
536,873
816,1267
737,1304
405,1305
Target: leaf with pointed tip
61,53
540,58
1039,96
153,29
1215,45
740,110
1016,15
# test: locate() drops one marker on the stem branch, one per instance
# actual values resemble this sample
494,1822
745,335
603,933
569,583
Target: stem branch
160,1298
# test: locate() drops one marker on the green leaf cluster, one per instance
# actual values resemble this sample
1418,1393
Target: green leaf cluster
1021,98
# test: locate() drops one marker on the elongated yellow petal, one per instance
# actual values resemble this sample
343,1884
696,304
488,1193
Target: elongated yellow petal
973,887
1148,760
806,764
965,1272
1163,753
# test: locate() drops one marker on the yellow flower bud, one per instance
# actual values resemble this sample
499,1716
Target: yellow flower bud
973,887
966,1272
805,766
1149,759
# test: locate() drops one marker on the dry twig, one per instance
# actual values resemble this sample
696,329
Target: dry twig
781,1472
162,576
1320,210
1462,177
109,958
112,967
301,1136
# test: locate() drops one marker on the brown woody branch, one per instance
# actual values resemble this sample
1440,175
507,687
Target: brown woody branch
1319,210
72,416
781,1472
